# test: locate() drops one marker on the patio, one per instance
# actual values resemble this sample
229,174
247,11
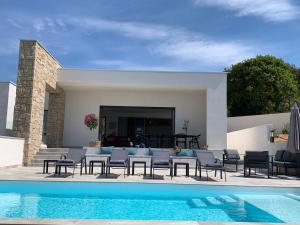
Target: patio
162,176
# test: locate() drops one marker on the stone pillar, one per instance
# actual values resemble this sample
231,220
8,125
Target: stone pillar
37,69
56,114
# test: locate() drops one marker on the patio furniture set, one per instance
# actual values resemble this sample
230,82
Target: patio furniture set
126,159
130,158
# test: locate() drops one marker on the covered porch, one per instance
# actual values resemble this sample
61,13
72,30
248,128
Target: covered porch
145,107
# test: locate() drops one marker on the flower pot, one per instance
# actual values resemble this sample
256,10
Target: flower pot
95,143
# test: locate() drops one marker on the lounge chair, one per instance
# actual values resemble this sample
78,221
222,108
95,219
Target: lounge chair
206,160
291,160
73,158
278,161
232,156
256,160
118,159
161,160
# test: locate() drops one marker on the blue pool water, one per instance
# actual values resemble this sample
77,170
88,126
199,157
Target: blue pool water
137,201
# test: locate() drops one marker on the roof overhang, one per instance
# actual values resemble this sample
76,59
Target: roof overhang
79,79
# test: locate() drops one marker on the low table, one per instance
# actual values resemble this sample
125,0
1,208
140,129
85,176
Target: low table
187,168
46,164
91,166
139,162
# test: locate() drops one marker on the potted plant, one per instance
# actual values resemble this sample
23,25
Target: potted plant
92,122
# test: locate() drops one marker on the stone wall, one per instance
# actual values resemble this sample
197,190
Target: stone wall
37,72
56,117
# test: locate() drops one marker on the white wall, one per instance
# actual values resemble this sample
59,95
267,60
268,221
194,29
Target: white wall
11,151
190,105
216,115
7,104
214,84
241,122
253,139
11,106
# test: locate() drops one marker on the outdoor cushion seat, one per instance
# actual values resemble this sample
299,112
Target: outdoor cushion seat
73,158
232,156
286,159
214,165
207,160
65,161
256,159
119,158
161,159
278,161
161,162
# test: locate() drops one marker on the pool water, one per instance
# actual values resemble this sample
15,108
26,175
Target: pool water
138,201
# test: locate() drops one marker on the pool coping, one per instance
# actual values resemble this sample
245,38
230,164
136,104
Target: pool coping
36,221
205,183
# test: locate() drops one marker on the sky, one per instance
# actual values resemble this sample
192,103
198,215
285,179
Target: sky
163,35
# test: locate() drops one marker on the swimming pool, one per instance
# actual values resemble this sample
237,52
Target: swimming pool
140,201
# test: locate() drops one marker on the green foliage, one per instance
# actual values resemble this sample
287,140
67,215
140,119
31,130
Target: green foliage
285,129
261,85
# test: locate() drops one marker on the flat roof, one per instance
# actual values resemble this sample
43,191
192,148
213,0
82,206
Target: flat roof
69,78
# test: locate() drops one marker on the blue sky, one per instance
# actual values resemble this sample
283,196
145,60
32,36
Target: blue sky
176,35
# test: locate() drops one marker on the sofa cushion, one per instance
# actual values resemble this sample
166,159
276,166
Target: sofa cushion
279,155
290,157
172,153
185,152
131,151
232,154
106,150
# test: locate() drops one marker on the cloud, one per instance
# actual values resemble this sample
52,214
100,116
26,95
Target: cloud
130,29
174,45
48,24
206,52
270,10
175,42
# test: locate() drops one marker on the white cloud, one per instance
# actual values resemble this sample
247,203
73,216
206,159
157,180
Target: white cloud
174,42
206,52
48,24
130,29
270,10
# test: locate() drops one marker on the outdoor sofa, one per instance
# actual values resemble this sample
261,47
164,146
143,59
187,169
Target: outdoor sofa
232,156
286,159
256,160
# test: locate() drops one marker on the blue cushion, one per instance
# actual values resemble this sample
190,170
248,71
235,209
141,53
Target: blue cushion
131,151
106,150
185,152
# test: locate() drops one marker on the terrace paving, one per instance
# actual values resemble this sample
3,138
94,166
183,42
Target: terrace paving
233,178
162,176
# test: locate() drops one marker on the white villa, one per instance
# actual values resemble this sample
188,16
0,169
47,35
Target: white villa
52,101
49,103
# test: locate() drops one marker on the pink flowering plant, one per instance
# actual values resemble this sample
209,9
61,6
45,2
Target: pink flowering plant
91,121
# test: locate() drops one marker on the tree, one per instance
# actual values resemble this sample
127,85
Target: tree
261,85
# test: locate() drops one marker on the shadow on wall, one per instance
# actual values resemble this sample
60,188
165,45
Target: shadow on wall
254,138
